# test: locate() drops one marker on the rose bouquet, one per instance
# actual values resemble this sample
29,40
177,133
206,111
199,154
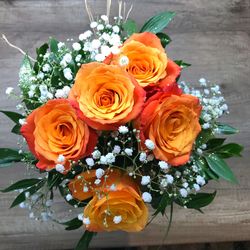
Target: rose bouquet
111,128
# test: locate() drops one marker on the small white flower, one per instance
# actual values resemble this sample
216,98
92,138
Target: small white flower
19,106
95,44
76,46
196,187
60,168
50,95
9,91
63,63
163,165
117,219
78,58
110,158
200,180
105,36
49,203
31,215
86,220
103,160
199,151
99,173
145,180
143,157
97,181
90,162
40,75
93,25
116,29
115,50
85,189
113,187
183,192
147,197
206,126
104,18
22,205
99,57
117,149
128,151
100,27
60,45
68,74
105,50
149,144
96,154
59,93
66,90
123,61
123,129
22,121
44,216
69,197
80,217
169,178
46,67
203,82
67,58
185,184
115,40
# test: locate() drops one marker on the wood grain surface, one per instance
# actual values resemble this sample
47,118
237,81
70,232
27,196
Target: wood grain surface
211,35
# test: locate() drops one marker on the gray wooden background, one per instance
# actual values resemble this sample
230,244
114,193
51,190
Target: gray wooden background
211,35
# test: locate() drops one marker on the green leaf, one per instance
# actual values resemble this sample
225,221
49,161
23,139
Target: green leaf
182,64
40,53
200,200
165,201
158,22
13,116
83,243
53,45
226,129
129,27
25,72
72,224
165,39
229,150
215,142
21,184
201,162
8,155
220,167
21,197
203,137
16,129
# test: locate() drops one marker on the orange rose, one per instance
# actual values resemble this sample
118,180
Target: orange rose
148,61
122,201
56,129
172,123
107,95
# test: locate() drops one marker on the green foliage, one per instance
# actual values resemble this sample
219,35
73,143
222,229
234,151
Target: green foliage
215,142
83,243
182,64
229,150
200,200
53,45
165,39
72,224
164,202
8,155
21,197
21,184
226,129
129,27
201,162
158,22
220,167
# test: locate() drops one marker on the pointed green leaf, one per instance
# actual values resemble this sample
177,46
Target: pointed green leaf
83,243
8,155
226,129
13,116
165,39
220,167
129,27
229,150
16,129
201,162
53,45
158,22
21,197
165,201
215,142
182,64
21,185
200,200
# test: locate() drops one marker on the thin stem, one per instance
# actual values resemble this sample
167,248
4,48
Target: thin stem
17,48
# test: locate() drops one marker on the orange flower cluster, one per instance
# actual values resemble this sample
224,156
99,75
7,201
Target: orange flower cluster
105,96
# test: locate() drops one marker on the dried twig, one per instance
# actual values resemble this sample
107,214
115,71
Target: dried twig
17,48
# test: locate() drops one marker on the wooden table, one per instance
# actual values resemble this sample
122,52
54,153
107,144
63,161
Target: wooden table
211,35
